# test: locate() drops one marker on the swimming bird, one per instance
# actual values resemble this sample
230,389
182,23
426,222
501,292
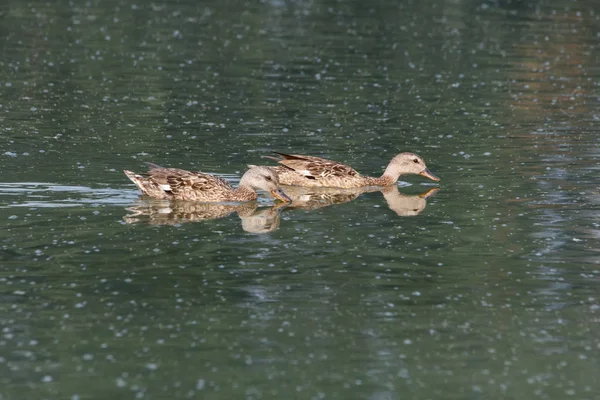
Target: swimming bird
179,184
301,170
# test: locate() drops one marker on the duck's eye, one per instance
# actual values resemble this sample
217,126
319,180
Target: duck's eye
416,160
268,178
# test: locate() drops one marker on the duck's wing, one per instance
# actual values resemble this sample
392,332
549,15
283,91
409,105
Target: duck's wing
184,184
315,167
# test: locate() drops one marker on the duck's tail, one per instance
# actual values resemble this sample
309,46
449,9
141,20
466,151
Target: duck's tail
152,165
273,158
147,185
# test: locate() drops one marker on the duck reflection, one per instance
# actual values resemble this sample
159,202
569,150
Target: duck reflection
313,198
164,212
267,219
406,205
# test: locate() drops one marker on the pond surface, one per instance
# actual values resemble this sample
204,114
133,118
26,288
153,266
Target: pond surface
486,288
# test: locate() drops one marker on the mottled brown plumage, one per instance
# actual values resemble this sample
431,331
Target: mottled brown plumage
179,184
309,171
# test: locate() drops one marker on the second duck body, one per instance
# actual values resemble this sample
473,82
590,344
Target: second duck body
309,171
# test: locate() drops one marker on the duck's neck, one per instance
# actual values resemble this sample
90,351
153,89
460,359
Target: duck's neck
393,171
244,192
384,180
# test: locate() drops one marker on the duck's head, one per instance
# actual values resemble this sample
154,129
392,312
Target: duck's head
408,163
264,178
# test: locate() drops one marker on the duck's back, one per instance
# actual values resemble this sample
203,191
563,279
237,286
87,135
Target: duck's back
188,185
316,172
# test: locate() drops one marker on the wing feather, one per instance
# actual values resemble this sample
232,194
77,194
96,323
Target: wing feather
315,167
189,183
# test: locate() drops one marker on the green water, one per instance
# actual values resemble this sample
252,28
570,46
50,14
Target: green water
488,289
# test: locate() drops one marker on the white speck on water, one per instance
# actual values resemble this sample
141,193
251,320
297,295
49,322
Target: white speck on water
47,379
318,77
120,382
19,292
407,341
487,153
88,357
75,397
416,293
33,109
200,384
152,366
10,154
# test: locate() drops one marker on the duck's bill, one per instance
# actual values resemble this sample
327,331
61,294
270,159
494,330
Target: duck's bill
429,193
427,174
279,194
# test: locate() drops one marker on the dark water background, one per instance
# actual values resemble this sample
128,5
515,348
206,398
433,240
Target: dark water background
490,291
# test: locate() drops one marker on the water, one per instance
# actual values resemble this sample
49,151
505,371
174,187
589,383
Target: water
487,288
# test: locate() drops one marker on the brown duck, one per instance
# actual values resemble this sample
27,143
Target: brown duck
179,184
308,171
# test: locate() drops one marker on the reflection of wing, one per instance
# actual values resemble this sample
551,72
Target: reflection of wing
405,205
313,198
157,212
177,212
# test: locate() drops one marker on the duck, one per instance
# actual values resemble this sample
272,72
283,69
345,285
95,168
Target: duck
179,184
309,171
